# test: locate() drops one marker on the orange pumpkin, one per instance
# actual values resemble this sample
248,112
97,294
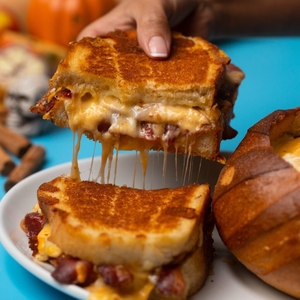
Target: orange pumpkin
60,21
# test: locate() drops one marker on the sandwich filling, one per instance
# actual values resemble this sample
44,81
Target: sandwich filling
137,127
105,281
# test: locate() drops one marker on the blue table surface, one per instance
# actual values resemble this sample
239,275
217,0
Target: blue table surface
272,68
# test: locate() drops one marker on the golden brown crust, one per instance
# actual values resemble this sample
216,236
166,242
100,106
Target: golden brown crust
191,75
97,205
194,270
256,202
120,225
285,278
194,63
117,55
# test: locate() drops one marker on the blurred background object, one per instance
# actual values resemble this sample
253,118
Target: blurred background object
34,37
8,20
20,96
56,21
60,21
12,14
22,57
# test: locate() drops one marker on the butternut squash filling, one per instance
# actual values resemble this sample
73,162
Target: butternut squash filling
288,148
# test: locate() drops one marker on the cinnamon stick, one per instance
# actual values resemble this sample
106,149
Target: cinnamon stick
3,112
6,163
13,142
30,162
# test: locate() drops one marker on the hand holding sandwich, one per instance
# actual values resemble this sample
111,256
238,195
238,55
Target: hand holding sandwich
209,19
153,21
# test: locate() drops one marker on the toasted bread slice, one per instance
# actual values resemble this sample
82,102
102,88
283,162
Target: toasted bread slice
108,88
107,224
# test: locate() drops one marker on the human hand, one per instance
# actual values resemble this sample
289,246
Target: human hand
153,21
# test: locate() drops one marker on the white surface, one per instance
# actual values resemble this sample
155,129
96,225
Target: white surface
230,280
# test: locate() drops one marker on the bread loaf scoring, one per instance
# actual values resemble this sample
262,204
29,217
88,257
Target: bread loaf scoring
257,198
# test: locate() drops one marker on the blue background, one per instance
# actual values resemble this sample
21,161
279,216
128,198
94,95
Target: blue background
272,68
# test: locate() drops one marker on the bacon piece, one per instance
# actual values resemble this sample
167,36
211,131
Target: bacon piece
171,132
65,272
64,93
74,271
103,126
226,97
46,104
233,79
32,224
234,74
170,281
115,276
147,131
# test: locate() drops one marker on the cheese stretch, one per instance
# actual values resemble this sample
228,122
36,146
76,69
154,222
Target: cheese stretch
126,126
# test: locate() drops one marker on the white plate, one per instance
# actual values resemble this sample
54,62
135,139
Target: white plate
230,280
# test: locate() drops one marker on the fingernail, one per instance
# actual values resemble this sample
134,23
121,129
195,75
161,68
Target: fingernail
158,47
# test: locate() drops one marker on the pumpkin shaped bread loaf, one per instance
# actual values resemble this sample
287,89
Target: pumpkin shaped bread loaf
256,201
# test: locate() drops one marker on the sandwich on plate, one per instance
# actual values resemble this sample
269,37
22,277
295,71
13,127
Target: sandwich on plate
108,89
122,242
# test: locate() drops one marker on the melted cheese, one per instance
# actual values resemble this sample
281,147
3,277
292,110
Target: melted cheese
108,293
289,149
45,247
98,291
75,173
86,111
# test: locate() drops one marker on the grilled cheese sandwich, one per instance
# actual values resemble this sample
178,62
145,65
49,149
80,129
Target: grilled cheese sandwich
108,89
134,242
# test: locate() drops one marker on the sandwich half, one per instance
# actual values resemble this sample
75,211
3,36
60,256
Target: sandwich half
107,88
121,242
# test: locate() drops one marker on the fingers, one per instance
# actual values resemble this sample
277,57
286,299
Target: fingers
117,18
148,17
153,29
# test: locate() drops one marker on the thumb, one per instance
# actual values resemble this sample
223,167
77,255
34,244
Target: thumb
153,31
